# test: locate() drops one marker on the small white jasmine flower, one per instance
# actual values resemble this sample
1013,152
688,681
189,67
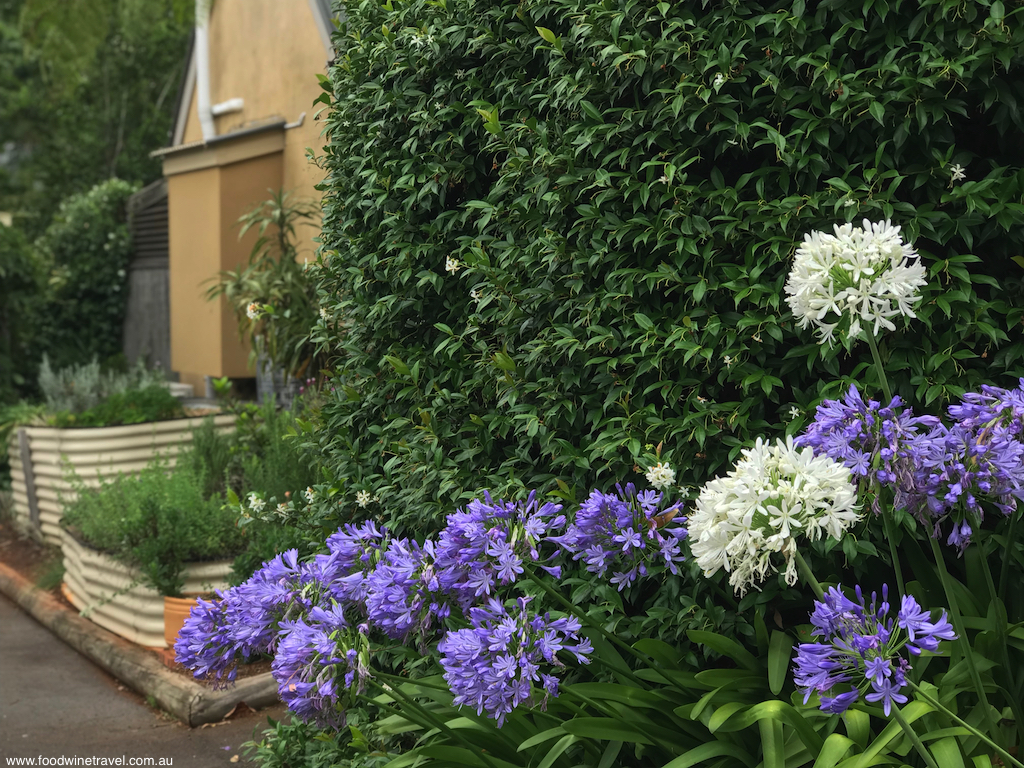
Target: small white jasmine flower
363,498
794,412
452,265
256,504
728,361
324,314
476,294
956,173
661,475
860,275
254,310
460,74
848,203
438,106
775,495
663,179
310,495
719,80
282,509
701,399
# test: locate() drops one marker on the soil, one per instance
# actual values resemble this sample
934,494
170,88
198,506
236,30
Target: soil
40,564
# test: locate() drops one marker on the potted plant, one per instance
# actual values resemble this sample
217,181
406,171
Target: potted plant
136,547
96,424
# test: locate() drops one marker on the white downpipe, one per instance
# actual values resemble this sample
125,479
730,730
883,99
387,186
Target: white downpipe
203,70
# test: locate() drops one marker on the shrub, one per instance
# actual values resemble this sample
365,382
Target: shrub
556,234
134,406
88,246
79,388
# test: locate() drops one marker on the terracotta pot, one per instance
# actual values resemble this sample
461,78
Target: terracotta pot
176,610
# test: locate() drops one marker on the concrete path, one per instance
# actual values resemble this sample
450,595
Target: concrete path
54,703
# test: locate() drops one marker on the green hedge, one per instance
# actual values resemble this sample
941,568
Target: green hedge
623,185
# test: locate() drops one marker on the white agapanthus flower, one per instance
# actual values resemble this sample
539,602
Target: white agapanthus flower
253,310
256,504
858,275
775,495
661,475
363,498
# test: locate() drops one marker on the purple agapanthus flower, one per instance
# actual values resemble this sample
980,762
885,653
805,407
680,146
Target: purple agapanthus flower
960,469
487,544
625,532
243,622
860,650
873,442
357,549
318,661
496,664
403,593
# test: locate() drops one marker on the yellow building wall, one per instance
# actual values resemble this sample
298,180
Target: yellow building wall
193,222
243,186
268,53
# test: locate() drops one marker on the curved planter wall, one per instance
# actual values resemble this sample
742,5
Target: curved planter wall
40,488
99,587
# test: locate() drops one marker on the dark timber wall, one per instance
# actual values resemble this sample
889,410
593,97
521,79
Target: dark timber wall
147,332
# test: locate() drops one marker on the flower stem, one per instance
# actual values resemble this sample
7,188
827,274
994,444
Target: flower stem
914,738
808,575
958,626
890,534
1011,545
882,380
1010,759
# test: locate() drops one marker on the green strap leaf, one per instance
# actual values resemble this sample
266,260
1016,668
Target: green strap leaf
556,751
780,649
726,647
710,751
947,753
605,729
835,748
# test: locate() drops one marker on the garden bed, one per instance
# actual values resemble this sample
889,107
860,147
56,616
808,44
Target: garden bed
111,595
41,457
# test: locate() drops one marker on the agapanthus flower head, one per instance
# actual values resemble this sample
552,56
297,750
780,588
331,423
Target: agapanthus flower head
992,408
775,495
875,443
243,622
403,593
627,533
487,543
496,664
961,468
861,649
319,661
860,276
358,549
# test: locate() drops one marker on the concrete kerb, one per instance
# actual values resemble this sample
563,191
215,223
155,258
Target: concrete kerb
185,699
